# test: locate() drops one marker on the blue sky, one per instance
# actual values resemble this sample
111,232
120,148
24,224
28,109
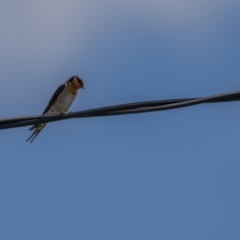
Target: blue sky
162,175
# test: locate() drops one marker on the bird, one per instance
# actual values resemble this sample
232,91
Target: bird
60,102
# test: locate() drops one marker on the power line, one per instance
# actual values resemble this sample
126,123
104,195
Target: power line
130,108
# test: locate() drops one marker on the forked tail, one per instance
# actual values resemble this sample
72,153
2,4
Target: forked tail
38,128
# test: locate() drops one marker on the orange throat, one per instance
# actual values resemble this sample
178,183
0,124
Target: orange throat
73,87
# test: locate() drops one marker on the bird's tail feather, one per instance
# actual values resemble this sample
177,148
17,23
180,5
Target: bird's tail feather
38,128
33,127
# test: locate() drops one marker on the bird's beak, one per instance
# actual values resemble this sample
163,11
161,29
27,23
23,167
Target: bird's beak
83,88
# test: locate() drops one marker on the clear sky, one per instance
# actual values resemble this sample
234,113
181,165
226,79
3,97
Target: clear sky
163,175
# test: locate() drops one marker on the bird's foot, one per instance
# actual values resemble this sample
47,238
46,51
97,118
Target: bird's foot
61,113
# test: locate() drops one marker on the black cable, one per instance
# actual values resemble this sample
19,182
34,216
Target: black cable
130,108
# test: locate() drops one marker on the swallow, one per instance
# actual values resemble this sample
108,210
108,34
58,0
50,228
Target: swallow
60,102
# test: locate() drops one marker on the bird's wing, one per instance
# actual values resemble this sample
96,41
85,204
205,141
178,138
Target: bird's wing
54,97
50,104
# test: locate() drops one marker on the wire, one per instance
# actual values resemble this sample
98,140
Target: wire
130,108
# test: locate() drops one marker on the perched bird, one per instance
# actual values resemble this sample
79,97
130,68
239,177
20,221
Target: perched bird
60,102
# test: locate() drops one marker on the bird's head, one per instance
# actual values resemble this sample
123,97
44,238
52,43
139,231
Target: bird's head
76,81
